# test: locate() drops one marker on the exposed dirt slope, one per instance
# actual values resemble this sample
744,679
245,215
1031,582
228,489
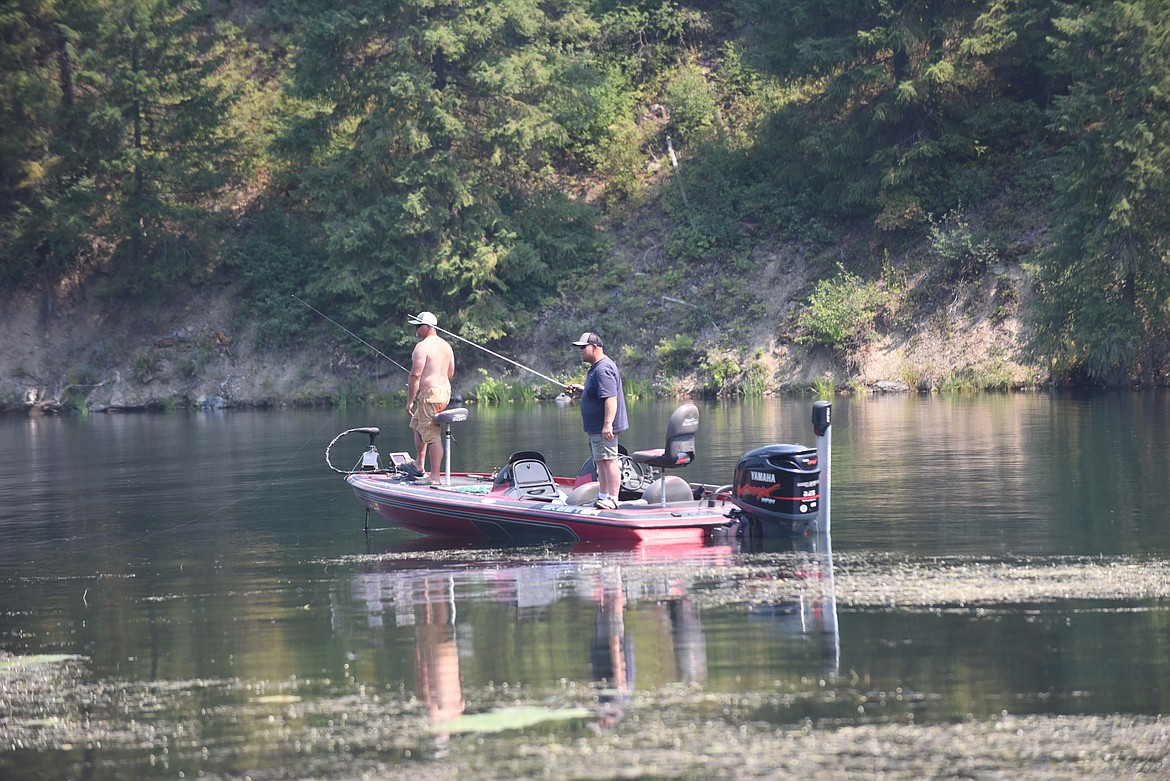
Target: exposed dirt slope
68,348
62,348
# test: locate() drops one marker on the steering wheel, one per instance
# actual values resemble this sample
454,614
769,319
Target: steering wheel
634,476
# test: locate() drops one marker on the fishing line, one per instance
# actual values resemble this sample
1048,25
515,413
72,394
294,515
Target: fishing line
261,486
437,328
355,336
266,483
503,358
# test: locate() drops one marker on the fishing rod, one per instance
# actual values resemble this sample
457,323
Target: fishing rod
355,336
503,358
437,328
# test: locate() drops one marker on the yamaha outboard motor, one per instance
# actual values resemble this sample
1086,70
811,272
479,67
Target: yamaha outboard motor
778,487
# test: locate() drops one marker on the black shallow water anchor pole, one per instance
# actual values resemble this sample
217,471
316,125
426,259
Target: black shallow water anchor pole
830,632
822,420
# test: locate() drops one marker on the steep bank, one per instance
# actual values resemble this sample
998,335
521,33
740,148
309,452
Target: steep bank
68,349
740,326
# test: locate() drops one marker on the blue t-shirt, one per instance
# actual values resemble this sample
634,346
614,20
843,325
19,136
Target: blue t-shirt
602,382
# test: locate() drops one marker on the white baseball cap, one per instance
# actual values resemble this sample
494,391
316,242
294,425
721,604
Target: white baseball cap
423,318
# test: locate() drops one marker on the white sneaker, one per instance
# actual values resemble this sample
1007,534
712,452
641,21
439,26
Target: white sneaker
608,503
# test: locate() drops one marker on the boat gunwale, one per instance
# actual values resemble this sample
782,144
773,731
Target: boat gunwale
396,494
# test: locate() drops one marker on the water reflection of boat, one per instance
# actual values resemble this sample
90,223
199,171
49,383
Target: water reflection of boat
530,579
442,594
412,589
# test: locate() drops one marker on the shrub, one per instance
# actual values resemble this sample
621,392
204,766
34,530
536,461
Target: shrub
490,390
824,387
755,381
496,390
842,312
963,255
676,355
724,372
635,389
691,102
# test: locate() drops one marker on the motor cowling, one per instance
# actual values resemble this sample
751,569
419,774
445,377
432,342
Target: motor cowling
779,484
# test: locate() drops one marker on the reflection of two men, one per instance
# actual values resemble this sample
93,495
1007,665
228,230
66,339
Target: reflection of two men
428,603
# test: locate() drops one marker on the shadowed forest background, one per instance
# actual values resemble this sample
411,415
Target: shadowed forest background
712,180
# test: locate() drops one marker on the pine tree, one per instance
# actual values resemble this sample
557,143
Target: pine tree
165,177
25,98
429,128
898,97
45,189
119,155
1105,282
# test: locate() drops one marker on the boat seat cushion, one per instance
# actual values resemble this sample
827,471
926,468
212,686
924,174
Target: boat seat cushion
585,494
531,479
677,490
659,458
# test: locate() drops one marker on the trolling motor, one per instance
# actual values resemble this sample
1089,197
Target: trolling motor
778,488
369,462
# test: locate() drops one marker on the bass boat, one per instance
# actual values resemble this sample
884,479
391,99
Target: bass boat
777,489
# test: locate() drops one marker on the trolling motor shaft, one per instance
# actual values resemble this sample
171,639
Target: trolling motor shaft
370,461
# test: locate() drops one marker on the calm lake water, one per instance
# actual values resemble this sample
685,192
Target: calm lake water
189,595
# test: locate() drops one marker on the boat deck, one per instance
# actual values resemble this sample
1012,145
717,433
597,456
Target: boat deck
469,505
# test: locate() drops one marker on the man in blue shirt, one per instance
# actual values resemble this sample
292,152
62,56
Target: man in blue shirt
603,415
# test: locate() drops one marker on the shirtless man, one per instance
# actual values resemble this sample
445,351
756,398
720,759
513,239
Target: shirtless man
428,391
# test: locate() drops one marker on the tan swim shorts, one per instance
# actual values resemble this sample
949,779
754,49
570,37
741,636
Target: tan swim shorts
428,403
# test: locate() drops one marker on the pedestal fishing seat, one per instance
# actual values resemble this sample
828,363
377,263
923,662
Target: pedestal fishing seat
528,477
679,451
445,419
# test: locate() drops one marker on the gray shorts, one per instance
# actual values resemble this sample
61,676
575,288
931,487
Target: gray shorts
603,449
